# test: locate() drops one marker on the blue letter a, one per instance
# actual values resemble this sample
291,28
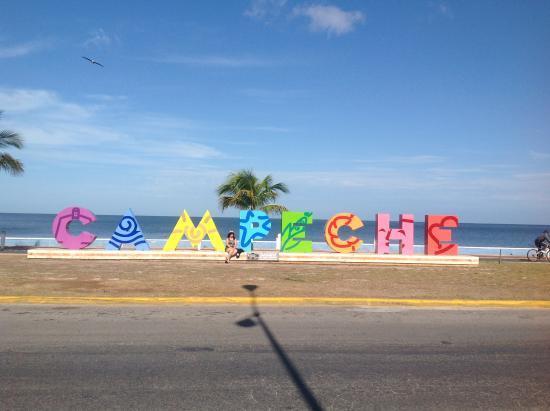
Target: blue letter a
128,231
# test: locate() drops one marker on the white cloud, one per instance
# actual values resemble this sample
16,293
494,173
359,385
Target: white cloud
46,102
539,155
445,10
330,19
374,178
46,135
106,97
484,180
543,177
449,189
168,122
264,9
98,38
53,126
23,49
182,149
422,159
274,95
267,129
214,61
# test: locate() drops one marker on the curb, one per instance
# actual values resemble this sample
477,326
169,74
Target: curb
288,301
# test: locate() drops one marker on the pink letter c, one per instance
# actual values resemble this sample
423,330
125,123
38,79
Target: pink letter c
60,228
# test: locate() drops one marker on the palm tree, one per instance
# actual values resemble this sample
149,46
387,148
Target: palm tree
7,162
244,191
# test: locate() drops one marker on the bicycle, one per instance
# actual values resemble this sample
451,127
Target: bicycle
536,254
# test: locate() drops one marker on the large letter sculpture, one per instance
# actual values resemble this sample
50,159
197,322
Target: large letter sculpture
332,227
185,227
128,231
60,228
405,234
253,224
436,238
293,232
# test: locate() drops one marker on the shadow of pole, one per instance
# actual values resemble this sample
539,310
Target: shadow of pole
297,379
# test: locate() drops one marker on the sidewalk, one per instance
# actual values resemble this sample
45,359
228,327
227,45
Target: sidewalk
20,276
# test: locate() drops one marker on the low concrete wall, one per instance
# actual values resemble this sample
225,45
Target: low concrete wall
368,258
94,254
210,255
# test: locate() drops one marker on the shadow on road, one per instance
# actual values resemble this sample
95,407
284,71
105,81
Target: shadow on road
256,319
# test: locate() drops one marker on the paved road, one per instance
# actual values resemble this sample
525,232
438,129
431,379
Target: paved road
97,357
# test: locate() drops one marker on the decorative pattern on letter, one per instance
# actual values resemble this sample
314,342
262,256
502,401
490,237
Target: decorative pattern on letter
436,237
332,238
60,228
185,227
405,234
293,232
253,224
128,231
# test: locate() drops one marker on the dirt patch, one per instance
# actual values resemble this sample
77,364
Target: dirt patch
490,280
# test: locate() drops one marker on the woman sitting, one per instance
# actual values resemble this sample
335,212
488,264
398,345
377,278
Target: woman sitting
231,249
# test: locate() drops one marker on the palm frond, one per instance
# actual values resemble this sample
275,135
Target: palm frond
10,165
224,189
10,138
274,208
267,181
282,187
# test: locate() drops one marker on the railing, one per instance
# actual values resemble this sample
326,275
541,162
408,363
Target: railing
269,245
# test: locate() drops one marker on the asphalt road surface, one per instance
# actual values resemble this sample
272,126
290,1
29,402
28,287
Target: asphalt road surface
204,357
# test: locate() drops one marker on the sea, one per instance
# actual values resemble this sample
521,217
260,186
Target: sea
473,238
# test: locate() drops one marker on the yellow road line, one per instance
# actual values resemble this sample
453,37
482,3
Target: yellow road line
34,299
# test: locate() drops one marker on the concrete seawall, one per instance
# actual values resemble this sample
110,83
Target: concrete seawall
210,255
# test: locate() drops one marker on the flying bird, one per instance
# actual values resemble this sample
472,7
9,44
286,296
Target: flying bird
93,61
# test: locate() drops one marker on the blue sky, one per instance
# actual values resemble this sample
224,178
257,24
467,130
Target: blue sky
363,106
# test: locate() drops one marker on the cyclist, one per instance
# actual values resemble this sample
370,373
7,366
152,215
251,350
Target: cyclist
543,240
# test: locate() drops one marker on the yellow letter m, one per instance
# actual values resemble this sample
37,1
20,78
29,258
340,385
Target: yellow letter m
185,227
